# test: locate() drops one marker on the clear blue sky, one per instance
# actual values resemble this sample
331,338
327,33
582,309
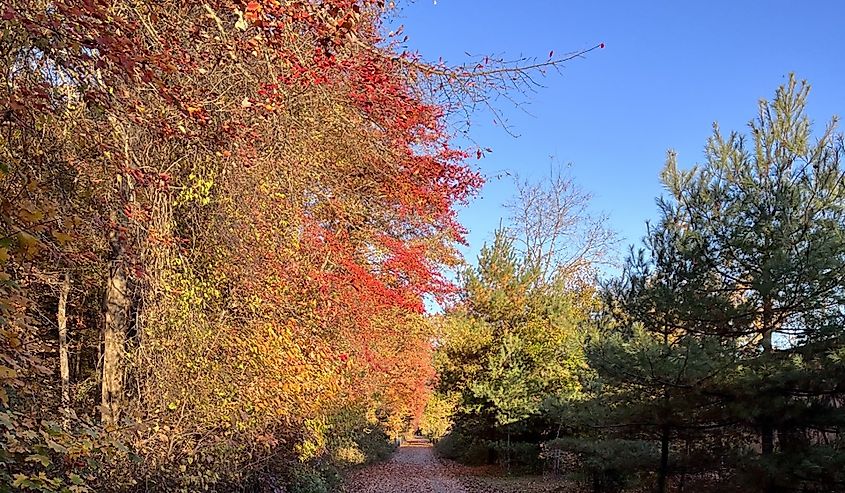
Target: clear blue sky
669,70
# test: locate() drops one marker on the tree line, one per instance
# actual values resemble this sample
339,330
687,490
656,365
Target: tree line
712,362
218,223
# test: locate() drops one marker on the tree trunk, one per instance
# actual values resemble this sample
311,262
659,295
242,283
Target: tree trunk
766,343
116,307
663,472
509,453
64,366
76,361
767,431
767,438
114,335
683,481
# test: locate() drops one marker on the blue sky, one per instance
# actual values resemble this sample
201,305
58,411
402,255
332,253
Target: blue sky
669,70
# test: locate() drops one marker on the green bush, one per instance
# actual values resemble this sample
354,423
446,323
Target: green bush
375,445
465,449
307,478
331,477
355,440
451,446
478,453
609,465
518,456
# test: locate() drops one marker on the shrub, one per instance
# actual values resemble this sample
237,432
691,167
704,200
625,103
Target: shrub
375,445
518,456
609,465
305,478
465,449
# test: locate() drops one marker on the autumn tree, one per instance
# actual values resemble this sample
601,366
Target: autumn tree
237,291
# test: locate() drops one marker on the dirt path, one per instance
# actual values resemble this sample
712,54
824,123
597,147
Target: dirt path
413,469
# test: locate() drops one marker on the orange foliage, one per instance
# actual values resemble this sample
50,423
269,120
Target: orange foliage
280,191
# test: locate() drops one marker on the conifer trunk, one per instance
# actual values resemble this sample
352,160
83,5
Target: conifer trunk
663,472
767,432
683,481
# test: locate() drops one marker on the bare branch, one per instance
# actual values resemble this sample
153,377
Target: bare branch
554,228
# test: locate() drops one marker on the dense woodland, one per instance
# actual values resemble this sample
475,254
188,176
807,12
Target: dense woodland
219,220
220,223
714,362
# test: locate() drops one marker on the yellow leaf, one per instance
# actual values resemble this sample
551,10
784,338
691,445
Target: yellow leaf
241,23
62,238
7,373
4,255
43,459
26,240
28,244
31,216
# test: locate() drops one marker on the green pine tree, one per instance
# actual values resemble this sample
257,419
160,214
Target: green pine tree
730,325
763,236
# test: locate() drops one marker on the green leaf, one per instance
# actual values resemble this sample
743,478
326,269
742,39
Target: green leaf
43,459
23,481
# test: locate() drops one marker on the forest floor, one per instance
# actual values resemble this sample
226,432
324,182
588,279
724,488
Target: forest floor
415,469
